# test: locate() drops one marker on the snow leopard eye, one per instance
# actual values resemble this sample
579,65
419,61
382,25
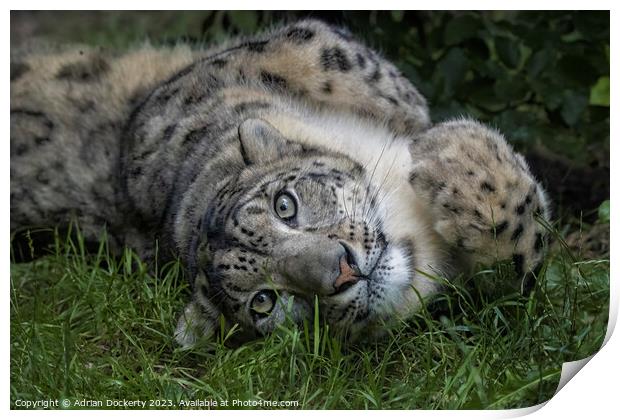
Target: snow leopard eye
285,206
263,302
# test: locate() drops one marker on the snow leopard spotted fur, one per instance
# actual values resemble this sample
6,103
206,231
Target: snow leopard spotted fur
294,164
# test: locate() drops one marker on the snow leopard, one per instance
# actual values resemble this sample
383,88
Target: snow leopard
289,171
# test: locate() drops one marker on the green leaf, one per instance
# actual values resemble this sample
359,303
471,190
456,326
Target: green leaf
397,15
549,92
520,127
511,89
539,61
603,212
453,66
483,95
476,49
607,52
245,20
573,105
461,28
574,36
508,51
599,93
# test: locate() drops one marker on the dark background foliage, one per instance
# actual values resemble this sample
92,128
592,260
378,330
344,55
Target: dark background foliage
540,77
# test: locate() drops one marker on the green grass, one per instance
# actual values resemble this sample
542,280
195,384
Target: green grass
97,327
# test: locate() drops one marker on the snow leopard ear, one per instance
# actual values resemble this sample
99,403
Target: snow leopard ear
261,142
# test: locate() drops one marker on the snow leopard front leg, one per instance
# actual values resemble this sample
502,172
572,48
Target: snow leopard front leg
487,205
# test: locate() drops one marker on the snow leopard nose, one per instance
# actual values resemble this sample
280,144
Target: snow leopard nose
349,271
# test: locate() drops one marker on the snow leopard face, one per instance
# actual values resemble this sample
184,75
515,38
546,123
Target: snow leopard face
296,227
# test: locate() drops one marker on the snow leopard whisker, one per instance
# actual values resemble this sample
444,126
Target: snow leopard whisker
380,186
374,169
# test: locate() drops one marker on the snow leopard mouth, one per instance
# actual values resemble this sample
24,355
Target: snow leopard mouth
352,263
378,297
